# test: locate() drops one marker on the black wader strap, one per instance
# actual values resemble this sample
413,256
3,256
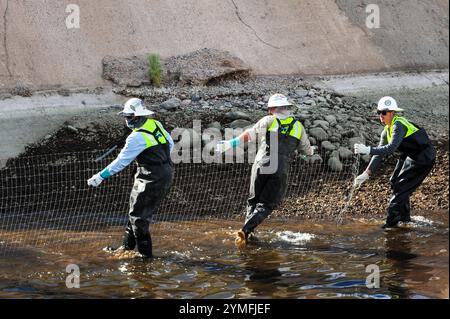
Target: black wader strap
157,130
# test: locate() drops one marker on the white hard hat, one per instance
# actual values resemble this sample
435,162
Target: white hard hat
388,103
135,107
277,100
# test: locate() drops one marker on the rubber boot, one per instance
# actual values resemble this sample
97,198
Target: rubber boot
129,241
405,215
392,219
144,246
252,238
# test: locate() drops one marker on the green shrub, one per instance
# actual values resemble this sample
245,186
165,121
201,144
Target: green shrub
155,69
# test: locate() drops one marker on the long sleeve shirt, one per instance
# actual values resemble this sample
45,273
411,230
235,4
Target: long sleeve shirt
384,147
134,145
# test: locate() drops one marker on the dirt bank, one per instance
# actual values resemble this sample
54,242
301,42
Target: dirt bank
339,118
272,37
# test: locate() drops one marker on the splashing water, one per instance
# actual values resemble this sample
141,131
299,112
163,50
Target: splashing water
294,237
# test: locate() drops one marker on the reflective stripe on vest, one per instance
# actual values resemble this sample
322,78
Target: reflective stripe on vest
296,130
411,129
153,134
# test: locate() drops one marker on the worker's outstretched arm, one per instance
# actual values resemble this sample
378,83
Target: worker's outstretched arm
224,146
134,145
247,135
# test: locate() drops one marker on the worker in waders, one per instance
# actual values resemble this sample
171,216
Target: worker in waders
283,132
149,145
415,163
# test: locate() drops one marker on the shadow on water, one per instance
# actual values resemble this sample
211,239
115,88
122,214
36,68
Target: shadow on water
400,253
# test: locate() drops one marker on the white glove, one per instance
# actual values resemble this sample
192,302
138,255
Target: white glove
362,149
95,180
223,146
312,150
360,179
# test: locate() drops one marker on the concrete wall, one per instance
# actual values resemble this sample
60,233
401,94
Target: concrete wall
272,36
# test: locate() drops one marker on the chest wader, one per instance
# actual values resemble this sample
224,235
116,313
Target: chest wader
268,190
417,160
151,185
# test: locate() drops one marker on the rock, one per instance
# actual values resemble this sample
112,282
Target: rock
335,138
195,98
321,99
128,71
334,154
186,102
310,102
171,104
355,140
315,159
335,164
71,128
326,145
301,92
303,116
345,153
348,133
204,66
312,140
240,124
318,133
366,158
331,119
22,89
323,124
237,115
357,119
215,125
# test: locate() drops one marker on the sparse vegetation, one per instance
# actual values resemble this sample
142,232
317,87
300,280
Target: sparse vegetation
155,69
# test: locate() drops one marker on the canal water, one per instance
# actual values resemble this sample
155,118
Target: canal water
291,259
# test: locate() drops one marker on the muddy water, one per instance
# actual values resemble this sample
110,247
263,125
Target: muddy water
292,259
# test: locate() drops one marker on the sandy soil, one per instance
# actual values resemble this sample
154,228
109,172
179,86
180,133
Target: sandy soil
291,37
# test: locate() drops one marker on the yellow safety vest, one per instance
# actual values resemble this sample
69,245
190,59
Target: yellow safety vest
296,130
411,129
152,132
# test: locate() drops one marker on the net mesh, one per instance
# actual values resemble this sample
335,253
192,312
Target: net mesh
45,200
